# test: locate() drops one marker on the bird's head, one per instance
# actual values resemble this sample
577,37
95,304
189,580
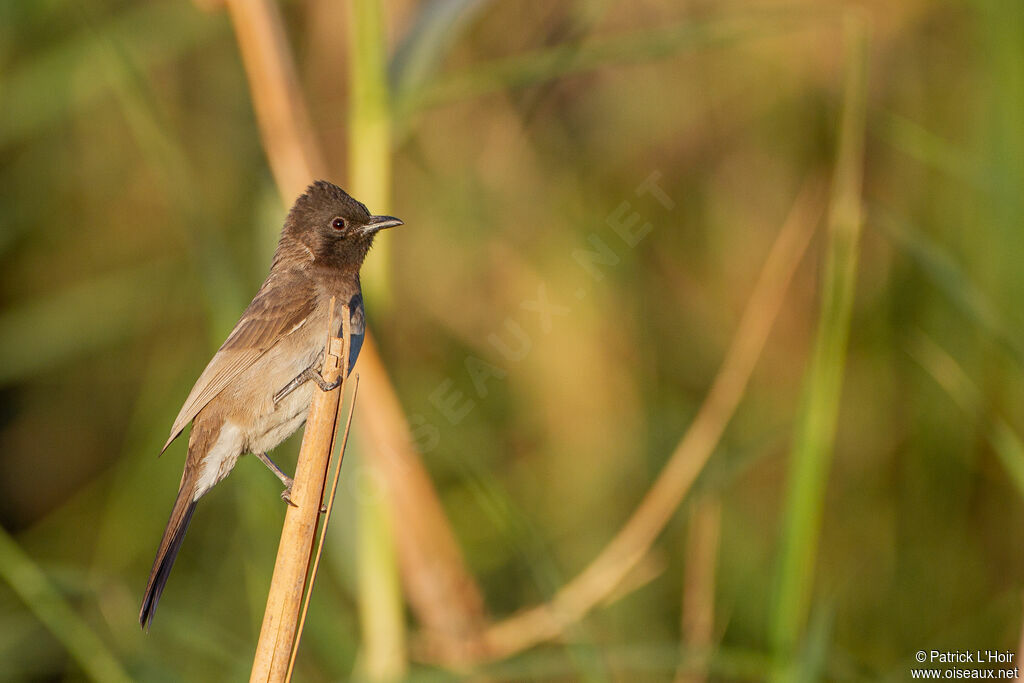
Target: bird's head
336,228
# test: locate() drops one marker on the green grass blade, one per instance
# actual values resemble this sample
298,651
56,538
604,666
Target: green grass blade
928,148
46,602
59,81
816,422
949,277
1007,445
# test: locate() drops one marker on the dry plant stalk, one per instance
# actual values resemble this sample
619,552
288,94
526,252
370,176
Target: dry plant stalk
550,620
327,520
698,613
441,591
285,125
287,587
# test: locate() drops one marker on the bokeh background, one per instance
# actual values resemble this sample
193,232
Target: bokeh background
138,212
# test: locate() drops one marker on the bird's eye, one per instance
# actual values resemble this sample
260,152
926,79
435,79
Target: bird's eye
338,223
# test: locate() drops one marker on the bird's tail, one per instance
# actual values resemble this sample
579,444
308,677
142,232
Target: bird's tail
174,534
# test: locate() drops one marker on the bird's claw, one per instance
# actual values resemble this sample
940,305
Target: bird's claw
324,384
286,496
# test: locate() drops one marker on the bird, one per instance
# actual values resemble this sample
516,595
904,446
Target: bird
257,388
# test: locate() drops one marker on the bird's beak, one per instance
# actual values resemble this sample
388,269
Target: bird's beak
378,223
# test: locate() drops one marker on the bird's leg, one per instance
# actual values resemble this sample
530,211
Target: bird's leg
306,375
286,495
294,384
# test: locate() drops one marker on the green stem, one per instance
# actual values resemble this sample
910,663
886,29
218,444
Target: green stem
816,423
369,177
380,597
369,131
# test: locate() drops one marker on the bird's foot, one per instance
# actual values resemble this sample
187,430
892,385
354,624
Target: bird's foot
324,384
286,496
309,374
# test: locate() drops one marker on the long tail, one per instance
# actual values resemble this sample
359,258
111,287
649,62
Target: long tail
174,534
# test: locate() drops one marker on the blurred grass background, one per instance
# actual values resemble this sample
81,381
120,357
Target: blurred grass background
138,215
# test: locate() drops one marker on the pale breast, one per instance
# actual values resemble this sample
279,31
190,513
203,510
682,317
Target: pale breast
249,401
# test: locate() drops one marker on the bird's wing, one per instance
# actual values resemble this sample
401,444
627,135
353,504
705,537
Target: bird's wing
282,306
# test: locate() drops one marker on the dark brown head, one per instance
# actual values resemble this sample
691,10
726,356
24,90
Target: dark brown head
332,226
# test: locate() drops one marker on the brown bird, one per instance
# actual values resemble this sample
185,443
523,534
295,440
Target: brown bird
255,391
